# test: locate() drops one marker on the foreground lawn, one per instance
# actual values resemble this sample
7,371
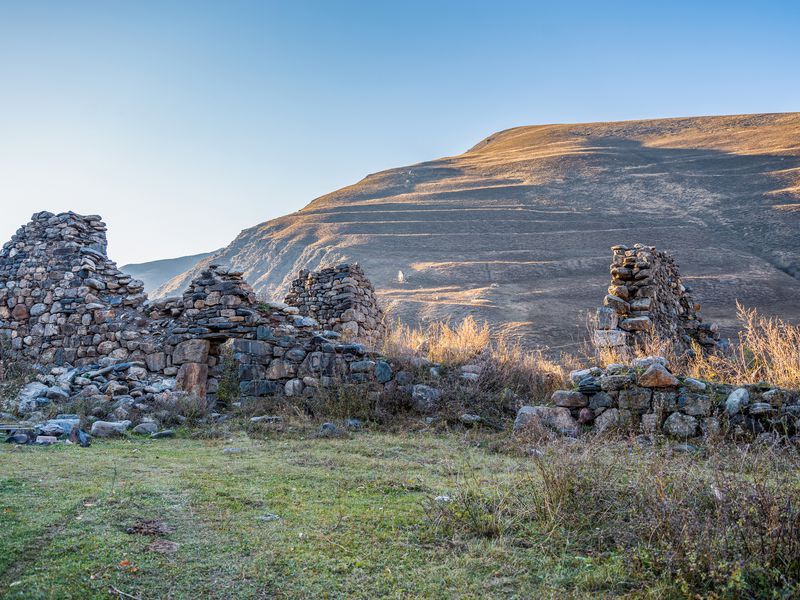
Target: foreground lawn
352,522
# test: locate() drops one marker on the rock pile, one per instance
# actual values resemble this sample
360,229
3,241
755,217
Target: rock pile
342,299
645,300
647,397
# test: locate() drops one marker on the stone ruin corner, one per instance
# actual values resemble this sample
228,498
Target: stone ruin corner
646,300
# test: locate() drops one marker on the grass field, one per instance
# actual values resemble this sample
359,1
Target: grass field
352,522
355,520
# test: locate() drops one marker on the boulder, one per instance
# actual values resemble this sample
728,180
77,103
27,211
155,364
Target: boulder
555,418
383,371
569,399
635,398
192,378
191,351
425,398
609,419
146,428
109,428
737,400
28,397
680,426
657,376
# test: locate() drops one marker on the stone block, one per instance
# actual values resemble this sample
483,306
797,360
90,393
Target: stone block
191,351
192,378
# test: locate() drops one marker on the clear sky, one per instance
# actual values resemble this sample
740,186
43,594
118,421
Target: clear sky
184,122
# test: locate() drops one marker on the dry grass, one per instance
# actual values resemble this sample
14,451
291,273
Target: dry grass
505,366
768,350
723,526
439,342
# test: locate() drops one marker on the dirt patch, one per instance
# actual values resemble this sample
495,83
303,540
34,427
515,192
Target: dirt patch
163,547
152,527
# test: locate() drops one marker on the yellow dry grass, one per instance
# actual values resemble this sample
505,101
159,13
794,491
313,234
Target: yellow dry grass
439,342
768,350
503,361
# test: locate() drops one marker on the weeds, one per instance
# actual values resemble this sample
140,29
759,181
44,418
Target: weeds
767,350
726,526
439,342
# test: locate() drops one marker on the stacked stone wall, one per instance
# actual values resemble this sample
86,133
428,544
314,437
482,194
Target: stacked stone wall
645,397
341,299
62,301
647,300
64,304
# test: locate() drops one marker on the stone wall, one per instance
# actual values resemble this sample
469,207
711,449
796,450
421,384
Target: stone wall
64,304
646,299
62,301
645,397
342,299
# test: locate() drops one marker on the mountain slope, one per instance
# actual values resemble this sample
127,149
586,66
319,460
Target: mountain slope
156,273
517,230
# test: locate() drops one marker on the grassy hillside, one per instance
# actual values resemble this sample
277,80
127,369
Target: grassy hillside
517,230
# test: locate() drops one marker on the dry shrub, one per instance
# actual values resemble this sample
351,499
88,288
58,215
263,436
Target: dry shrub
228,391
723,527
343,400
527,372
185,409
768,350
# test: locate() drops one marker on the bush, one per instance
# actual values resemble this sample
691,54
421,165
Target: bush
228,391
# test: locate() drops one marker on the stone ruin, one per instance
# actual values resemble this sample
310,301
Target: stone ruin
647,300
342,299
65,306
645,397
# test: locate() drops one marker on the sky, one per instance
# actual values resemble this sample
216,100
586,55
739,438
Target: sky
182,123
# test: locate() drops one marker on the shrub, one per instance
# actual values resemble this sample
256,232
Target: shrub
228,391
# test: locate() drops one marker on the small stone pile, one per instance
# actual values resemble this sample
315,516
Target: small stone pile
646,397
62,301
646,300
342,299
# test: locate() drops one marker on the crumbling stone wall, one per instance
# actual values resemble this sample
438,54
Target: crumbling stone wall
342,299
61,299
645,397
647,299
64,304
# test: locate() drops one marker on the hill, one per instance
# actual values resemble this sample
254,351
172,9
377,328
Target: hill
156,273
517,229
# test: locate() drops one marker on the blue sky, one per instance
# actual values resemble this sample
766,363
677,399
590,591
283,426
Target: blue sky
184,122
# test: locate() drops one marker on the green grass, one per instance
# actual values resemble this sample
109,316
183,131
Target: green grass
353,522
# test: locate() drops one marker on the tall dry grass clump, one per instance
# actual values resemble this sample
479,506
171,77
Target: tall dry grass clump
768,350
439,342
504,364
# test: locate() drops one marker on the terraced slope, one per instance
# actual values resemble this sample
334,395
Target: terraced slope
517,230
